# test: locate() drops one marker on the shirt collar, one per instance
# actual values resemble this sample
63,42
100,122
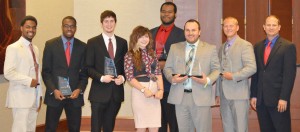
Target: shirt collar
166,28
196,44
25,41
65,40
273,41
106,38
230,42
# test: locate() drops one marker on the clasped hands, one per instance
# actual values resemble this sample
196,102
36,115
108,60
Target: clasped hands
177,79
108,78
158,95
59,96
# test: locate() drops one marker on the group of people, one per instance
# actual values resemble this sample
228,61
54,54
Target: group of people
171,72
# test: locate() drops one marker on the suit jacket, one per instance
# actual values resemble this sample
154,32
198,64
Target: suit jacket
95,57
241,63
275,80
175,36
55,64
19,71
206,55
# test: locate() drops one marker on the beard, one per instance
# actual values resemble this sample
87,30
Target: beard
169,22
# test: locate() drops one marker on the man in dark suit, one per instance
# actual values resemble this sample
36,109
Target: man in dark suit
165,35
107,91
64,57
272,85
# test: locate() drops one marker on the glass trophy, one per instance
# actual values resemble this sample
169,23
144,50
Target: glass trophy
109,67
64,86
199,73
179,68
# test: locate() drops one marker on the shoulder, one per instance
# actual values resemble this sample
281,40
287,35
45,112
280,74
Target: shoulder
95,39
154,30
119,39
79,42
14,45
53,41
258,44
175,28
243,42
178,45
284,41
207,45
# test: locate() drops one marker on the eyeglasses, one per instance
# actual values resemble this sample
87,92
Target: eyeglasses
69,26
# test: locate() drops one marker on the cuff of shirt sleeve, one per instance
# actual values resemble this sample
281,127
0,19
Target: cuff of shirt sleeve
101,79
207,82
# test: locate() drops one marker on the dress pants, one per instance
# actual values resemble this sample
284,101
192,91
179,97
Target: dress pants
24,119
234,114
104,115
190,116
270,120
168,115
73,116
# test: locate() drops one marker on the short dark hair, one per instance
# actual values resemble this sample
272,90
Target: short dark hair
169,3
28,18
193,20
69,17
108,13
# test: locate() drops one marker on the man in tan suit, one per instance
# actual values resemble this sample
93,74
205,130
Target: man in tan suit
237,65
191,95
21,69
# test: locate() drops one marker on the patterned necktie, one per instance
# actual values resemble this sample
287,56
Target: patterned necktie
226,47
67,52
267,52
190,59
36,66
111,49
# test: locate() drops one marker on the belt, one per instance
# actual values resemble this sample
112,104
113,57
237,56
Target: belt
188,90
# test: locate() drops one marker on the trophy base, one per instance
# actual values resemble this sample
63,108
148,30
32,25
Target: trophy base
182,75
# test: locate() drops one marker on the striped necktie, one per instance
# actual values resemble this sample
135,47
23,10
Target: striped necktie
190,59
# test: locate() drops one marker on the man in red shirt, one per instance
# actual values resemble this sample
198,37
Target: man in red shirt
164,36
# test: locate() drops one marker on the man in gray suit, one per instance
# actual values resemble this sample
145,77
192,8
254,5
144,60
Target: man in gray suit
192,95
237,65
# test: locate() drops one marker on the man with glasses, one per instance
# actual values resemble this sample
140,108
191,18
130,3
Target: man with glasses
64,60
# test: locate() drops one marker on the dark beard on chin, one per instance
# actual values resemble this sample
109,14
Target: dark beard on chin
167,23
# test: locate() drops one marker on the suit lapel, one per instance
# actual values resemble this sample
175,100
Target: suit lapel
73,52
274,50
103,46
118,50
61,50
198,60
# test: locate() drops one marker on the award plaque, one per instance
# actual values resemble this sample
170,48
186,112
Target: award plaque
64,86
109,67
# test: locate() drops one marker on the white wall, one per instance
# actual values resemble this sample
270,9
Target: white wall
49,15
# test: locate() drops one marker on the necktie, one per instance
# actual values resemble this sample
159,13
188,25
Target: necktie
267,52
36,67
226,47
190,59
67,52
111,49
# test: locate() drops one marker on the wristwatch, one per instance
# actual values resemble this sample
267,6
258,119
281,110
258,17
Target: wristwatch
143,90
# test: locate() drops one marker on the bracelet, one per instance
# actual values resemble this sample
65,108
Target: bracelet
160,90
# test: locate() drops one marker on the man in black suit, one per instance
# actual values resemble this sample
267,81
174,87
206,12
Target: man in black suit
107,91
165,35
272,85
64,57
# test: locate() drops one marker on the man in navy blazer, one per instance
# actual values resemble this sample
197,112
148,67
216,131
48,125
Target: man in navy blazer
272,85
55,64
165,35
107,91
